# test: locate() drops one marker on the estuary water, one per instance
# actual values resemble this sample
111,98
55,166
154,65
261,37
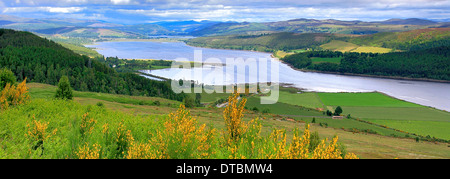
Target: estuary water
432,94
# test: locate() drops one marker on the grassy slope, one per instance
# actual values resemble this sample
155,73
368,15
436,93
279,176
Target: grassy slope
391,39
364,145
81,49
338,45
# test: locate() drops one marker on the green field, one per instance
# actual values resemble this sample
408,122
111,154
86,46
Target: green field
362,99
383,110
439,129
281,108
38,90
309,100
337,45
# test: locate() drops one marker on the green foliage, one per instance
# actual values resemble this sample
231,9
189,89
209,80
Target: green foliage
123,65
64,90
314,141
6,76
298,60
338,111
189,102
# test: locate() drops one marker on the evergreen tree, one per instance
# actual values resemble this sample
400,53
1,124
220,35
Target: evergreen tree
198,98
338,111
64,91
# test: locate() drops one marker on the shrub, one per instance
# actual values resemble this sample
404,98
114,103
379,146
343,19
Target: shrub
64,91
6,77
13,95
233,114
100,104
338,111
188,102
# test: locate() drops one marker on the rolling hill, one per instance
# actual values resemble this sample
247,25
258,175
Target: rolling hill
317,26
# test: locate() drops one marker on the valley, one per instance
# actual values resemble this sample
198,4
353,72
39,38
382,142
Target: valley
381,87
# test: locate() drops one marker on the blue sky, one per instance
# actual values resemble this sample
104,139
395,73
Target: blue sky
145,11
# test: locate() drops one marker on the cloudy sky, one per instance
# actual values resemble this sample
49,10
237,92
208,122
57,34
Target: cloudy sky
142,11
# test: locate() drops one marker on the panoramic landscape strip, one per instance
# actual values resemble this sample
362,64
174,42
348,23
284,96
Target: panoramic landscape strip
223,80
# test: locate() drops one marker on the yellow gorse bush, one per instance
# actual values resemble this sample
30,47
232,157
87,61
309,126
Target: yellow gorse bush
13,95
274,146
138,150
86,152
233,114
182,137
87,124
299,146
37,132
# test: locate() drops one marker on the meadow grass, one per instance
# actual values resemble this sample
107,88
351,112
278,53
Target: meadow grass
337,45
309,100
280,108
366,49
398,113
39,90
439,129
363,144
362,99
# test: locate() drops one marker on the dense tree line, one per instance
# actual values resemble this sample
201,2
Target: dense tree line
432,63
122,65
41,60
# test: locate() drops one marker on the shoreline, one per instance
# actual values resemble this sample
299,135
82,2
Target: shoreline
272,55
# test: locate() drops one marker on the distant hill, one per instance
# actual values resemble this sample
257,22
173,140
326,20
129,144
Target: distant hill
316,26
96,29
286,41
410,21
182,27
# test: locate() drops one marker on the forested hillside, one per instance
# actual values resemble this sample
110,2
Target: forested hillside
432,63
44,61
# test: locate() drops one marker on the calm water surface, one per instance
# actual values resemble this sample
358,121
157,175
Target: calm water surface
425,93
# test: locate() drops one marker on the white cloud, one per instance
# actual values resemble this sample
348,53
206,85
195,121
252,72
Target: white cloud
120,2
64,9
243,10
43,9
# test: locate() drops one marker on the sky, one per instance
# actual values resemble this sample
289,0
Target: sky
148,11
